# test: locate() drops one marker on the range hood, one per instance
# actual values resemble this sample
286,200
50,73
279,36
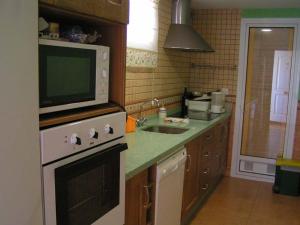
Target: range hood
181,34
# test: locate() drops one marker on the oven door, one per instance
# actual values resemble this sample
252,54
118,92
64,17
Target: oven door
87,188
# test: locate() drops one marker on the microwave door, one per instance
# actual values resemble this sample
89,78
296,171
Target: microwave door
67,75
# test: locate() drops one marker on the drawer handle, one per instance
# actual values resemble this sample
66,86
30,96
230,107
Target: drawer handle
209,136
206,154
189,163
147,191
206,171
205,187
114,2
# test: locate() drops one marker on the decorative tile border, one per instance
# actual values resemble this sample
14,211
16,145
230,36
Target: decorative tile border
141,58
135,108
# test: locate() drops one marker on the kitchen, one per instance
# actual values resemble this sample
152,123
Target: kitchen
164,76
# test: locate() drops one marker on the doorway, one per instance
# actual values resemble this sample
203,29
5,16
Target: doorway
267,96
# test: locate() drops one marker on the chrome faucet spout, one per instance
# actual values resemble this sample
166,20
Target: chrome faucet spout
141,120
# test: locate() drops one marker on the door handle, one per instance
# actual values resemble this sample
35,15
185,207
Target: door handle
147,191
206,171
189,162
205,187
206,154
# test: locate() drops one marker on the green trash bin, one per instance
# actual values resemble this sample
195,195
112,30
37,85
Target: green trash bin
287,177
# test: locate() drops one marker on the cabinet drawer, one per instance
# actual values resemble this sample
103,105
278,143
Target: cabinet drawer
205,170
221,132
209,136
205,155
205,183
114,10
206,152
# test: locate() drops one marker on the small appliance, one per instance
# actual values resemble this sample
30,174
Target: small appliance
217,102
200,104
72,75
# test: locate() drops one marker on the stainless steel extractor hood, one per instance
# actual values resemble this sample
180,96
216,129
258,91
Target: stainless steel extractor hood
181,34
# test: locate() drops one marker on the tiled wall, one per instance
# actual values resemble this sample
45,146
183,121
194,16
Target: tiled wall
167,80
221,29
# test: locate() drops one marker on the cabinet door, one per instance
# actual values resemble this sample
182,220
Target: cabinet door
136,199
114,10
222,142
191,176
82,6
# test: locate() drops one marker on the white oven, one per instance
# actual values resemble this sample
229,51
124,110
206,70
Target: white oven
83,172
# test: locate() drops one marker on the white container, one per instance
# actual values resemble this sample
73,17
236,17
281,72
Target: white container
162,113
218,102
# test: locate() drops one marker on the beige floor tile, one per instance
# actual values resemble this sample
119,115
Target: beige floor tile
242,202
274,209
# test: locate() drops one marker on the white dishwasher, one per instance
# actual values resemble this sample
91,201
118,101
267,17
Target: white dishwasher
169,187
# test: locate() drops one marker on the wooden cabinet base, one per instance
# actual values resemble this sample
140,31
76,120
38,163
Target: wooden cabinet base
190,215
135,200
205,166
140,198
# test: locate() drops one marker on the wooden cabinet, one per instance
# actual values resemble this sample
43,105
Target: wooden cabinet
84,7
206,162
205,165
136,199
113,35
191,188
222,132
112,10
140,198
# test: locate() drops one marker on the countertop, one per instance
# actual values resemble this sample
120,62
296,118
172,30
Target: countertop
147,148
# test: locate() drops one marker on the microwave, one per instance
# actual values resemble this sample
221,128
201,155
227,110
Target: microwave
72,75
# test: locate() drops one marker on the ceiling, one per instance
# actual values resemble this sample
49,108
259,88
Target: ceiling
243,4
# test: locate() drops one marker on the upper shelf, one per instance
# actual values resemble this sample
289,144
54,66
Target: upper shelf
214,67
111,10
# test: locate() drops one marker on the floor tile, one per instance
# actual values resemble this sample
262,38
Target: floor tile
243,202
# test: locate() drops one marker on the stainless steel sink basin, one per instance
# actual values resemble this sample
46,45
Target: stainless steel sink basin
165,129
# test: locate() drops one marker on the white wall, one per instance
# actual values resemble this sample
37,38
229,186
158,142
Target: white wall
20,182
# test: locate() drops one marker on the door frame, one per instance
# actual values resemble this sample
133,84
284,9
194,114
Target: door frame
293,93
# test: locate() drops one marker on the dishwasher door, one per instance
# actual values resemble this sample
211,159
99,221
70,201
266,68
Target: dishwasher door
169,187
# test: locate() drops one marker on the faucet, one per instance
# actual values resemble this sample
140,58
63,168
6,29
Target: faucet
141,120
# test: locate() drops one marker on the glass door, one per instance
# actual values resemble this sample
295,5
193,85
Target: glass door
267,90
265,112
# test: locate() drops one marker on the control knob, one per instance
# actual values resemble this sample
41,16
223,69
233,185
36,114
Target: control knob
93,133
75,140
108,129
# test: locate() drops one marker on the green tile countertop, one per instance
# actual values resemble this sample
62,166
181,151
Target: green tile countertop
147,148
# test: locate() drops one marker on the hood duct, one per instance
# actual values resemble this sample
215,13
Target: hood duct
181,34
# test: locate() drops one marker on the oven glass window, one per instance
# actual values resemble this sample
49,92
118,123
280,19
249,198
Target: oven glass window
87,189
67,75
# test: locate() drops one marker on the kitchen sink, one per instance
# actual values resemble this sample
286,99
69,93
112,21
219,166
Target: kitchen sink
165,129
